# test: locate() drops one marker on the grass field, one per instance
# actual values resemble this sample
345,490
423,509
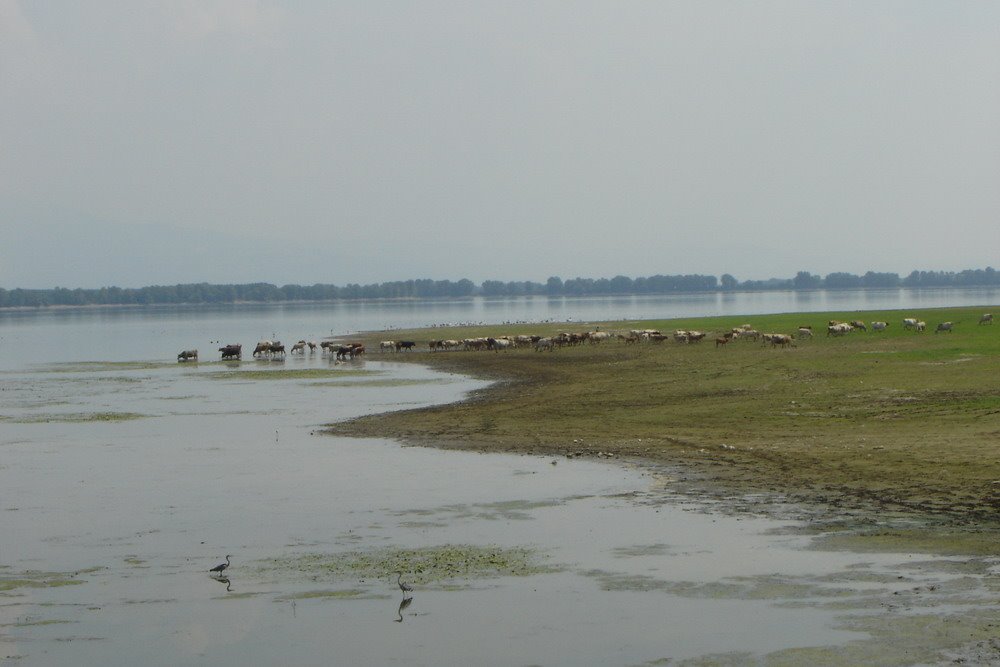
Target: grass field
896,420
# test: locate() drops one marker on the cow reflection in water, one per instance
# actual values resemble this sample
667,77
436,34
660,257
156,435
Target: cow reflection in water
402,605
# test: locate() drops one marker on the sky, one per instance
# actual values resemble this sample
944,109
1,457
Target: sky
311,142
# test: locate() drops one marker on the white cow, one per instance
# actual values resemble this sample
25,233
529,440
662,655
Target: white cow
986,318
879,326
910,323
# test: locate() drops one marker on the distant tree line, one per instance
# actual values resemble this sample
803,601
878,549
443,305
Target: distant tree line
412,289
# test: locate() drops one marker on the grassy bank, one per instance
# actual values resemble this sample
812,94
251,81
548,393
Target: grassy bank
896,420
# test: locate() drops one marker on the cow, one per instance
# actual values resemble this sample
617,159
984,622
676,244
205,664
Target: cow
299,347
231,351
275,349
312,346
910,323
188,355
497,344
858,324
407,345
879,326
263,348
784,340
838,329
722,341
986,318
695,336
544,344
431,345
943,326
921,325
599,336
388,346
805,333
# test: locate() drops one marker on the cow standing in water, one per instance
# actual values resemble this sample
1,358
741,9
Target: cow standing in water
188,355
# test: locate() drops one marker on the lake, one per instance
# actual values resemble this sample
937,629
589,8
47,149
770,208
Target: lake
127,476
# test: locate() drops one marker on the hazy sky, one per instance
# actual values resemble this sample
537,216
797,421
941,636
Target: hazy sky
301,142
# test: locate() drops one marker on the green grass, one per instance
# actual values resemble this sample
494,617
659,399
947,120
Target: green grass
896,419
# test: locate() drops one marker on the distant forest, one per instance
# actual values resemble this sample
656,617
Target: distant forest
411,289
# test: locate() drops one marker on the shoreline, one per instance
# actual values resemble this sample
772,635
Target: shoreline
950,493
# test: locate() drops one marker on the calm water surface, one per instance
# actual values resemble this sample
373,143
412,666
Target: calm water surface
109,526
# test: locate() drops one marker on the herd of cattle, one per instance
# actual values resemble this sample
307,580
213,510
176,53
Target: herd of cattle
268,349
274,349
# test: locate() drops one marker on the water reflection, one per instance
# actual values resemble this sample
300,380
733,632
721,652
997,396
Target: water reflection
222,580
406,602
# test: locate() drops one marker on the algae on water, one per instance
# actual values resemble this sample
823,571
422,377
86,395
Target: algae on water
428,565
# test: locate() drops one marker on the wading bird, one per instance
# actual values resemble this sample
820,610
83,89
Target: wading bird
221,566
406,588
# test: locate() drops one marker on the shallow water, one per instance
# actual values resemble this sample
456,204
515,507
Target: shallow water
124,483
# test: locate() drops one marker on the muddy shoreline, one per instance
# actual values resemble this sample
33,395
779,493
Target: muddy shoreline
917,514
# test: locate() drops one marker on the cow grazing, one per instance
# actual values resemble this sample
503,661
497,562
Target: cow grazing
263,348
879,326
943,326
299,347
188,355
910,323
986,318
805,333
858,324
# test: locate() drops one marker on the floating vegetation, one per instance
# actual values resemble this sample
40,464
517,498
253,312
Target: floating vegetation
343,594
739,588
428,565
74,417
99,366
642,550
287,374
10,581
506,510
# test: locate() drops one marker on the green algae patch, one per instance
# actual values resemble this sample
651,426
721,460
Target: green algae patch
343,594
288,374
937,540
75,417
769,587
636,550
102,366
34,579
31,623
904,640
422,567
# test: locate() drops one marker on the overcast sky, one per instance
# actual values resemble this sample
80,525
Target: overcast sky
301,142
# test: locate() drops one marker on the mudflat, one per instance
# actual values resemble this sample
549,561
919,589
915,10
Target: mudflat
895,421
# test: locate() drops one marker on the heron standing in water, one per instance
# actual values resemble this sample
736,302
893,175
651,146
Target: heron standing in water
403,586
221,566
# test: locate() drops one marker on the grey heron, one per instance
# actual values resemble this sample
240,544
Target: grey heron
403,586
221,566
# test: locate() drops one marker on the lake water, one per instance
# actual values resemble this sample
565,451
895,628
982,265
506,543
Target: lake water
124,477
